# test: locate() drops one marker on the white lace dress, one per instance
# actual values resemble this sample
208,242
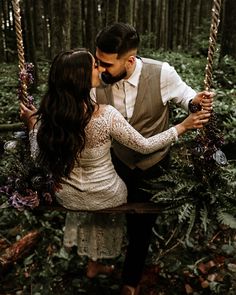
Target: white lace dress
95,184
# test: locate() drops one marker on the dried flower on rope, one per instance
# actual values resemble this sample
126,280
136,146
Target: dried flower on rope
207,155
25,185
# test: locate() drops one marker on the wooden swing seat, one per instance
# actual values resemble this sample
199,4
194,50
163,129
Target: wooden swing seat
135,208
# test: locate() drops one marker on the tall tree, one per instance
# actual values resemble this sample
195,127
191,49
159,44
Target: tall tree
187,21
112,11
90,24
180,30
46,30
76,24
38,18
228,43
2,39
7,26
30,49
60,25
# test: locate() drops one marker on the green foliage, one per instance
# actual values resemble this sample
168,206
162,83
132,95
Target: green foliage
193,203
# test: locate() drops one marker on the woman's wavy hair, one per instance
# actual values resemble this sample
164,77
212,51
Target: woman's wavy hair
64,112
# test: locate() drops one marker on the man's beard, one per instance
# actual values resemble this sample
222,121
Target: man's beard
107,78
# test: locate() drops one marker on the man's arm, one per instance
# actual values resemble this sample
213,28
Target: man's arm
175,89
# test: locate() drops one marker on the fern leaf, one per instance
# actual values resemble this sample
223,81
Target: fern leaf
226,219
204,217
184,212
192,219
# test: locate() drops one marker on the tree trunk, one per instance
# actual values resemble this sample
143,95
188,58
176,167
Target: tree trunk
76,24
38,20
46,30
2,38
10,47
112,11
60,25
173,23
187,27
90,25
196,16
163,24
140,25
30,49
135,18
149,22
130,12
228,43
180,32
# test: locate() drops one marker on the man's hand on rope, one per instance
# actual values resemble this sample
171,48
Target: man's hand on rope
204,99
27,115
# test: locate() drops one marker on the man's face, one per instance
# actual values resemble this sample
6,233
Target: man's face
115,69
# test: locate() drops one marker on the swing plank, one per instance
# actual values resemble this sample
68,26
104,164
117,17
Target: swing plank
137,208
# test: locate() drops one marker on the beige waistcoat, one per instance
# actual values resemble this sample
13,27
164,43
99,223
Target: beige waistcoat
150,116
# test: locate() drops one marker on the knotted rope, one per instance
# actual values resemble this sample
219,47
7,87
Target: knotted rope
207,155
24,75
215,20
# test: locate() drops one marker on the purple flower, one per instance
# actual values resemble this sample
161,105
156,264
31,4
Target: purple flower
21,202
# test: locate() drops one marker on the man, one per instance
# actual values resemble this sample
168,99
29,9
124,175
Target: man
140,89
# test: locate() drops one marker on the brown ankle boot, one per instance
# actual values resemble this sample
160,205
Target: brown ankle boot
95,268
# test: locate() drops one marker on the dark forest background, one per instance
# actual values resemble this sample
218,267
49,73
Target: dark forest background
49,26
194,242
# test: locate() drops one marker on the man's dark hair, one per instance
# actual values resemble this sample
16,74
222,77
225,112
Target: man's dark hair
117,38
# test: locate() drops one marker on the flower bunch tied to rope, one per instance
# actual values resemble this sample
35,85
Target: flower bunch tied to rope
207,156
23,185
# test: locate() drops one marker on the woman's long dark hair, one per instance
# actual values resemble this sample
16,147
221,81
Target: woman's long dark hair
64,112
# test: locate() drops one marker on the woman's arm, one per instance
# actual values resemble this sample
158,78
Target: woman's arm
124,133
27,116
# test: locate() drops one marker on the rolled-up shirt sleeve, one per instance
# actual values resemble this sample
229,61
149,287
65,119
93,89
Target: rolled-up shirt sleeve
174,88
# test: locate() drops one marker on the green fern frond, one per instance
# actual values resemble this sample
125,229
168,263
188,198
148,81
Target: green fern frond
192,219
204,217
226,219
185,212
163,194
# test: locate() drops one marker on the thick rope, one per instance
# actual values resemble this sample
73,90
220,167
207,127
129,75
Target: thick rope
206,154
215,20
20,49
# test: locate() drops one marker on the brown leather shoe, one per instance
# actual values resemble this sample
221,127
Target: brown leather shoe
95,268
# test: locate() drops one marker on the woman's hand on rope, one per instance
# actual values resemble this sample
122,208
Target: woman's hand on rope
27,115
205,99
193,121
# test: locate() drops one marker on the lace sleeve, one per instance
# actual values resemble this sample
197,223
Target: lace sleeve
34,149
125,134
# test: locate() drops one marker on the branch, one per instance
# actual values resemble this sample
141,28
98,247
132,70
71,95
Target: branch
11,127
18,250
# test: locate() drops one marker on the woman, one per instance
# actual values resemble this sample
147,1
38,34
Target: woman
71,136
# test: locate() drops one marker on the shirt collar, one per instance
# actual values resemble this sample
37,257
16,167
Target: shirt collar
134,78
